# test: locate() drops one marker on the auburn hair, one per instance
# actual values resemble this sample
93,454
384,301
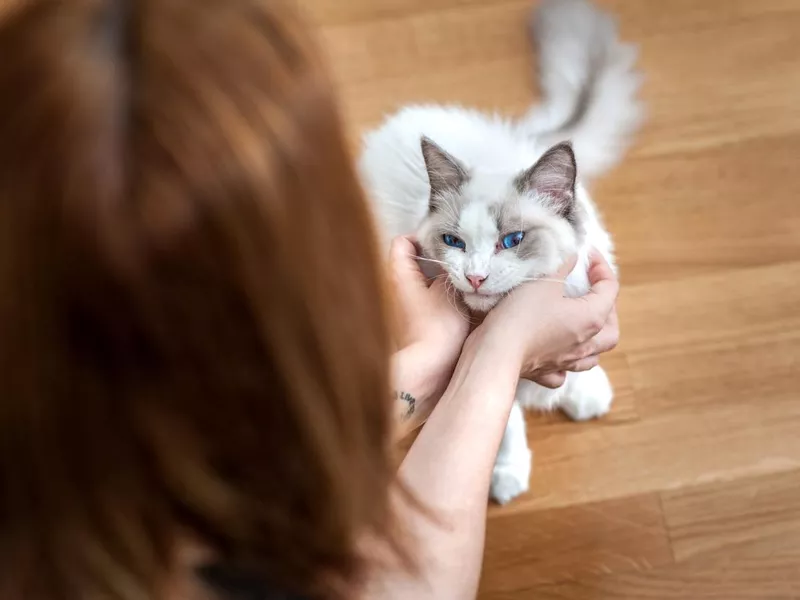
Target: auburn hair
193,326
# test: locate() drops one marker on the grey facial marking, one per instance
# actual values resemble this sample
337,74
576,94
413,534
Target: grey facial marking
509,221
497,212
530,245
446,221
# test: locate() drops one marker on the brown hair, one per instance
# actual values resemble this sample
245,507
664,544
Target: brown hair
193,333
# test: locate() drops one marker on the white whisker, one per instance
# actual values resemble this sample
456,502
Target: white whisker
447,288
550,279
439,262
455,304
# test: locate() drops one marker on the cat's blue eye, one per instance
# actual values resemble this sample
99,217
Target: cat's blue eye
512,239
453,241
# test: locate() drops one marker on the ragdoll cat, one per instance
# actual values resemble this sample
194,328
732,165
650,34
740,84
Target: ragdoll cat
496,202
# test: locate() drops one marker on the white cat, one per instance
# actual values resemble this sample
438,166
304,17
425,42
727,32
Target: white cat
496,202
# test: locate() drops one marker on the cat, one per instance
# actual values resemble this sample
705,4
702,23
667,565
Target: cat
496,202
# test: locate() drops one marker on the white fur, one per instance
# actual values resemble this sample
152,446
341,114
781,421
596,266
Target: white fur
589,98
588,83
512,469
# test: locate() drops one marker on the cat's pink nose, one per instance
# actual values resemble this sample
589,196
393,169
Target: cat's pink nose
476,281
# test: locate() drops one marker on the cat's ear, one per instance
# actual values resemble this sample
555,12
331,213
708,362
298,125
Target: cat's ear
553,175
444,172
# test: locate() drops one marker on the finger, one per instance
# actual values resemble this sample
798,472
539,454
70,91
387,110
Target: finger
602,296
552,380
403,263
600,273
401,249
566,268
608,338
584,364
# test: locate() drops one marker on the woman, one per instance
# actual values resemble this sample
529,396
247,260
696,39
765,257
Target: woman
195,359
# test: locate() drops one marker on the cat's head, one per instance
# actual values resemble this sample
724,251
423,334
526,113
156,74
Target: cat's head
492,232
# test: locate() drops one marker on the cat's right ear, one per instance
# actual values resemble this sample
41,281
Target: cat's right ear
553,175
445,173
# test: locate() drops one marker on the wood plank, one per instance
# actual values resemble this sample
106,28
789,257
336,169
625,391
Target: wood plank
325,12
706,518
698,213
675,15
435,55
722,62
739,376
505,88
430,41
764,569
714,443
748,217
541,546
730,541
727,308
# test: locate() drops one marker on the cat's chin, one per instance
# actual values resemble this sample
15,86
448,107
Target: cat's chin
480,302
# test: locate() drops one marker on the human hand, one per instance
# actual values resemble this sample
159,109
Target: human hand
550,334
605,341
433,323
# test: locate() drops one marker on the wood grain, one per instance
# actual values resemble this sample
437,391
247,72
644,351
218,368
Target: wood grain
537,547
689,488
765,569
708,518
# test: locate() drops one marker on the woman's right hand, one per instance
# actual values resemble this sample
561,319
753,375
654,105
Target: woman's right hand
551,334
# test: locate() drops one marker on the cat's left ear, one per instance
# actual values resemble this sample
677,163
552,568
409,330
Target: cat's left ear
553,175
445,173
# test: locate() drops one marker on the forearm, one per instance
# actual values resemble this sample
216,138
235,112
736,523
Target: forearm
456,449
449,470
417,387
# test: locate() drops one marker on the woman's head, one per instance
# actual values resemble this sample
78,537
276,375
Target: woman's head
192,329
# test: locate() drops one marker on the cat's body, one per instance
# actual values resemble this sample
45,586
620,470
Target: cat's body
497,202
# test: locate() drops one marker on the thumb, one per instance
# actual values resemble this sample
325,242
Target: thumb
403,265
563,272
605,287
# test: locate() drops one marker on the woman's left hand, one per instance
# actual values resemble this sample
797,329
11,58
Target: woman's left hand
434,324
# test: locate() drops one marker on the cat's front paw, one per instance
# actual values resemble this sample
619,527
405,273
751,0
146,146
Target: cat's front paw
511,479
588,396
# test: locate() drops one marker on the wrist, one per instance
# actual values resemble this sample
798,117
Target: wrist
520,350
487,357
420,372
487,345
420,379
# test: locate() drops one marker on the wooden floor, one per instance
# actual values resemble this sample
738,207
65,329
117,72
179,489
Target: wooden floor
690,488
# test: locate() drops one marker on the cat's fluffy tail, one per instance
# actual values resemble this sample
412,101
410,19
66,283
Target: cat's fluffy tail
588,81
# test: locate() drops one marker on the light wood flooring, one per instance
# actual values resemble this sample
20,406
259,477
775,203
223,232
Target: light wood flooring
690,488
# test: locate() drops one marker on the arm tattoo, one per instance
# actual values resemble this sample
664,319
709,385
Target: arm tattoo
410,403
